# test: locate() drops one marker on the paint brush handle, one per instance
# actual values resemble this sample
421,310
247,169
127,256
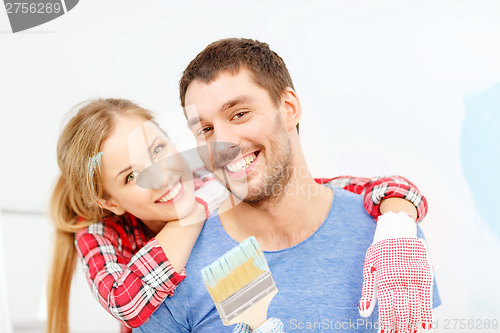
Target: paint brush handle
256,315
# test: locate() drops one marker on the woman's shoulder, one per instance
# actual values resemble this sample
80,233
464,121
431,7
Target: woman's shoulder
118,229
108,223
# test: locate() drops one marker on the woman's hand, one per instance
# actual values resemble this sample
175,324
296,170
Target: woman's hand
177,238
212,194
197,216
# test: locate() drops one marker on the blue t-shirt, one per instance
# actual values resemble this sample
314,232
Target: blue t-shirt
319,280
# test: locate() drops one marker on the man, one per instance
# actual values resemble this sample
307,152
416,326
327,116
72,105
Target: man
314,237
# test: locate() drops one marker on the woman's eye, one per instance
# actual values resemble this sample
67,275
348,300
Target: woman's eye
158,149
130,176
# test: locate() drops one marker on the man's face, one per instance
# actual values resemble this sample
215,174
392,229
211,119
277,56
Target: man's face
233,108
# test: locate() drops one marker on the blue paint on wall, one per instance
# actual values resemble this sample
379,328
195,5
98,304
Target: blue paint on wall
480,153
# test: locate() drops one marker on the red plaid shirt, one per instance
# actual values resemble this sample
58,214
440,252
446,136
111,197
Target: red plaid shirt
130,275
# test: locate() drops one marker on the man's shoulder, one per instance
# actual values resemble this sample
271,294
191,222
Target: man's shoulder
348,210
345,193
191,304
344,199
212,242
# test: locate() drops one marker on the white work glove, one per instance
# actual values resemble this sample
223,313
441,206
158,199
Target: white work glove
272,325
398,271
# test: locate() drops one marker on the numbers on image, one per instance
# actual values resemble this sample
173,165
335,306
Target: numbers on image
33,8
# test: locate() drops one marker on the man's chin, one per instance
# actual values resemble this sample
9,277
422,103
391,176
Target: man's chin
252,192
238,187
242,195
261,199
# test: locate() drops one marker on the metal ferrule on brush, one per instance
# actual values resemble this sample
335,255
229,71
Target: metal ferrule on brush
246,297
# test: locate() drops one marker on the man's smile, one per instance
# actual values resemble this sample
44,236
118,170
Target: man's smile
242,165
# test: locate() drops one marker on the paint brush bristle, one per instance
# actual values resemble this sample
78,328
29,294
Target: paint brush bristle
234,270
241,285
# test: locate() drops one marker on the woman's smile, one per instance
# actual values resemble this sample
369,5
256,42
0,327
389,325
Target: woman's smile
173,194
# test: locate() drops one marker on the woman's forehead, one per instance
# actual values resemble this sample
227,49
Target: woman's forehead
143,132
133,136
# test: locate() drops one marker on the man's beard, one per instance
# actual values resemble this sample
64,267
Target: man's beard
274,183
277,173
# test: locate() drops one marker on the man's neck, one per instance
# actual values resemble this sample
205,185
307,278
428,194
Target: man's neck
284,223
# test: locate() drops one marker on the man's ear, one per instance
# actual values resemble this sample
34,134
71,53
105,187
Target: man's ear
292,107
111,205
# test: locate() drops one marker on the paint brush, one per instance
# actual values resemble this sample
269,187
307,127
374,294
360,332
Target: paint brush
241,285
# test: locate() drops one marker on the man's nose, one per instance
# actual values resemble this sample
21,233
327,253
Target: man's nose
224,132
223,148
223,153
216,155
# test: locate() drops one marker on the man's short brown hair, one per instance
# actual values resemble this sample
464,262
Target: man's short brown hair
229,54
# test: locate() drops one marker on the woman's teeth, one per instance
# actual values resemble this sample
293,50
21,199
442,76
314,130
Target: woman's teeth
172,193
241,164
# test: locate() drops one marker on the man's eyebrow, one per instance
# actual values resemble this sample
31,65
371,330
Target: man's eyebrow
229,104
193,121
235,101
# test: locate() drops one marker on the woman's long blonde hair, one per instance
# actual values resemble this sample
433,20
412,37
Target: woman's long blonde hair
74,198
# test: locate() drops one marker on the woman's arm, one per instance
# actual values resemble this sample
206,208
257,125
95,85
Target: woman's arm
131,280
382,194
178,238
129,286
177,241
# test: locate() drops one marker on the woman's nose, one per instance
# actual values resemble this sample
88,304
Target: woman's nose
155,177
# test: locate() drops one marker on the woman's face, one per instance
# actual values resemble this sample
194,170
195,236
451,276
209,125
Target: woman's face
133,146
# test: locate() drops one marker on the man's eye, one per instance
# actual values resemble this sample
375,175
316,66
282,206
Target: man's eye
238,115
130,176
205,130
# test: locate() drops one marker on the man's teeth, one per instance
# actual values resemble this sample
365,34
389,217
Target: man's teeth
172,193
241,164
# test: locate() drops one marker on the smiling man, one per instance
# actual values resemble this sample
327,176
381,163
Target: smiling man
314,236
234,108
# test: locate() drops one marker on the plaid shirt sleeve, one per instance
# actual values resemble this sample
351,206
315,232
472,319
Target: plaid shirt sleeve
378,188
129,286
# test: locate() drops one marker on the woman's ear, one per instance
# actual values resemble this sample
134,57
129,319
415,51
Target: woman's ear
292,107
111,205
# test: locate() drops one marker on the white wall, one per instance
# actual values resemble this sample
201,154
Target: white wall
383,85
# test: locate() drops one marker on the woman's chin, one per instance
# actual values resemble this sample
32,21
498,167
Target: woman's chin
155,226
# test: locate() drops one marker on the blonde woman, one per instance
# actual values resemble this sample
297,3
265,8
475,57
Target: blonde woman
133,257
112,221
